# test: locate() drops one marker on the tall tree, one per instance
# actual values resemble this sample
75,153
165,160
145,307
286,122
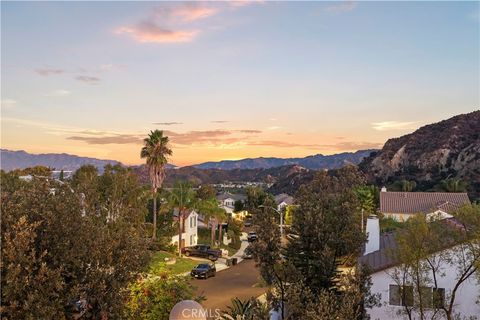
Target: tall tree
326,226
210,210
182,198
156,151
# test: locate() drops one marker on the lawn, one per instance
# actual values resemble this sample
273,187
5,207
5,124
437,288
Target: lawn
182,265
204,237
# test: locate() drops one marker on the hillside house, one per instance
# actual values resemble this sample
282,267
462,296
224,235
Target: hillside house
403,205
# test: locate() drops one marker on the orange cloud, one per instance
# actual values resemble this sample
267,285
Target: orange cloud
116,139
149,32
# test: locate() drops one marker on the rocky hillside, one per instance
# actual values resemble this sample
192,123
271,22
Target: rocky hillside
447,149
318,161
11,160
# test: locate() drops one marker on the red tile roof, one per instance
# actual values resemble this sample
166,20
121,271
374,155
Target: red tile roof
421,202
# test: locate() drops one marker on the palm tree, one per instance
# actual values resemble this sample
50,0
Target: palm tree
210,210
156,152
182,198
452,185
221,217
241,310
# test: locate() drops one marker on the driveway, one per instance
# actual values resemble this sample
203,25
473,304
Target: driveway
237,281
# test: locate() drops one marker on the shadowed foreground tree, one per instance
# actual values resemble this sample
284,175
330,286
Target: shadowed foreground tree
56,252
156,151
326,227
303,277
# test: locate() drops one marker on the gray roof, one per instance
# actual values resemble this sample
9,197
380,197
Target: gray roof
175,213
283,197
421,202
227,195
383,258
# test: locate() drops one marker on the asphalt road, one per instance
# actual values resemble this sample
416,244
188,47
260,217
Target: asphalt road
237,281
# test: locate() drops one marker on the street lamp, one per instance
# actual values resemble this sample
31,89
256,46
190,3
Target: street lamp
281,217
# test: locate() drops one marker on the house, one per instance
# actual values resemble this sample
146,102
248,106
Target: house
283,200
189,229
379,256
228,200
403,205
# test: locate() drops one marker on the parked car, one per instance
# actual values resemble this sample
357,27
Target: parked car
247,223
203,251
248,253
204,270
252,236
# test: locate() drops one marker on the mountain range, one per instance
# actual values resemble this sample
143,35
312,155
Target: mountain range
11,160
318,161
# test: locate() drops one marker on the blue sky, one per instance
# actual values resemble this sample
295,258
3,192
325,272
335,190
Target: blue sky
241,79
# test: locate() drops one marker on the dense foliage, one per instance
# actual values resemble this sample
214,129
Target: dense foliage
326,227
70,249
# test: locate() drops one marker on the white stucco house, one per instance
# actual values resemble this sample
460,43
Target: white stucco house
189,228
379,257
403,205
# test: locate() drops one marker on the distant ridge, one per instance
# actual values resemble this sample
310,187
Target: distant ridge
315,162
11,160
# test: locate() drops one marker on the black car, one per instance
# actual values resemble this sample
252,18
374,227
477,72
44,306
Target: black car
248,253
204,270
203,251
252,236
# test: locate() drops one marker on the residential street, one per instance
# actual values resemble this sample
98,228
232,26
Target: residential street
237,281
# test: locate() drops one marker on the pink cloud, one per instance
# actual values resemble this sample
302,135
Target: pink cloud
149,32
187,13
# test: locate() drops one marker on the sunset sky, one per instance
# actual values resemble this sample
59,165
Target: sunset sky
232,80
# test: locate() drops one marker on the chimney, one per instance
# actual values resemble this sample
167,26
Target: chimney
373,235
384,189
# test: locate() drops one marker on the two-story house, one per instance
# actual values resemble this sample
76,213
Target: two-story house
189,229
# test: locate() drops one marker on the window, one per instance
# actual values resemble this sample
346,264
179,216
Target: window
438,297
394,295
400,297
195,221
426,294
431,297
